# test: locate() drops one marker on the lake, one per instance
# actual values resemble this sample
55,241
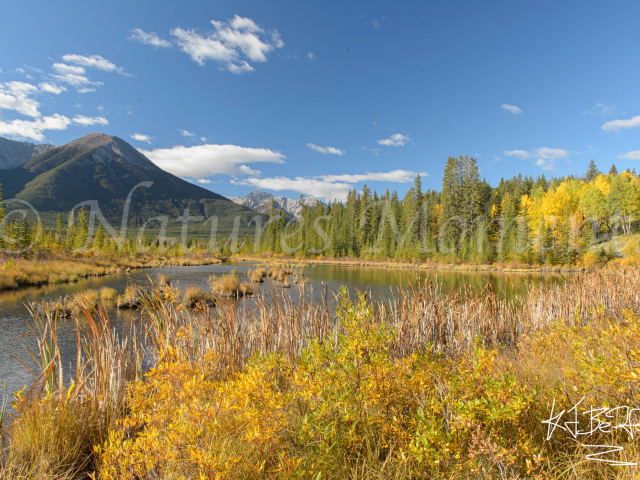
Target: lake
381,282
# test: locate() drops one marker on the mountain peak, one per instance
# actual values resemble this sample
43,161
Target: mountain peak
94,140
261,202
106,148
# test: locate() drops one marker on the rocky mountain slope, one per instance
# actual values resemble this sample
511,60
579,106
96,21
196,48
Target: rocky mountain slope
15,154
261,202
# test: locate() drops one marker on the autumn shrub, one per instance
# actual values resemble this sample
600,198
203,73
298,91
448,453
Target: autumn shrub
591,259
108,294
331,412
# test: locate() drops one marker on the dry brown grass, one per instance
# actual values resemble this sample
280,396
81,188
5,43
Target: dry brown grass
257,275
229,286
196,297
108,294
130,299
57,424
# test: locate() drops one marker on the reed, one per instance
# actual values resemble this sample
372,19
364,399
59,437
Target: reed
59,421
222,374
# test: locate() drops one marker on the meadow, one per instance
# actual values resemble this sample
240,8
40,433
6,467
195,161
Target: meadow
428,385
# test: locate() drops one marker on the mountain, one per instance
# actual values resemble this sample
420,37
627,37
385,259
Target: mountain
15,154
106,168
261,202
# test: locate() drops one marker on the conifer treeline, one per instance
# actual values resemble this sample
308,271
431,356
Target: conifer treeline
527,220
523,219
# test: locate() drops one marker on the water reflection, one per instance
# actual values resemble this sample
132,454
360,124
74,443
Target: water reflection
14,316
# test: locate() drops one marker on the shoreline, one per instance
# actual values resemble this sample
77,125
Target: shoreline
15,275
464,267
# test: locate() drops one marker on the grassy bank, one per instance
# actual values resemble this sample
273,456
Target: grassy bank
406,264
429,385
24,273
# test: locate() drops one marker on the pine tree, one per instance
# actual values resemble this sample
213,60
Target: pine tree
592,172
613,170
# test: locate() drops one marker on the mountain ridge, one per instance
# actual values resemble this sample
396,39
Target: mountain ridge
106,169
14,154
260,201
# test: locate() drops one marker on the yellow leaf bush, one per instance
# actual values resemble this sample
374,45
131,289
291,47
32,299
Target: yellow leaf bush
342,407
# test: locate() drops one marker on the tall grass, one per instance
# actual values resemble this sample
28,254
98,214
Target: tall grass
233,387
65,414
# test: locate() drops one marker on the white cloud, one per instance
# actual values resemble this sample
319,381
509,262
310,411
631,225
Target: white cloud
34,69
601,109
228,43
544,157
141,137
149,38
327,187
203,161
396,140
326,150
246,24
511,108
52,88
86,90
328,191
635,155
87,121
396,176
376,151
17,96
186,133
203,139
19,70
74,76
521,154
615,125
204,180
63,69
93,61
34,129
311,55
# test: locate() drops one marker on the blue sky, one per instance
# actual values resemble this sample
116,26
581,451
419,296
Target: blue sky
320,97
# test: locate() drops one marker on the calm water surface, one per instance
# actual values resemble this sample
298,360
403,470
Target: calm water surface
382,282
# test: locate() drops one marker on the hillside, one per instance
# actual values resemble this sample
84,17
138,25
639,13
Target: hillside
105,169
15,154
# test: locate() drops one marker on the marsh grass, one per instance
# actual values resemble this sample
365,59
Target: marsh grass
427,385
196,297
21,273
129,299
257,275
230,286
59,421
108,294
